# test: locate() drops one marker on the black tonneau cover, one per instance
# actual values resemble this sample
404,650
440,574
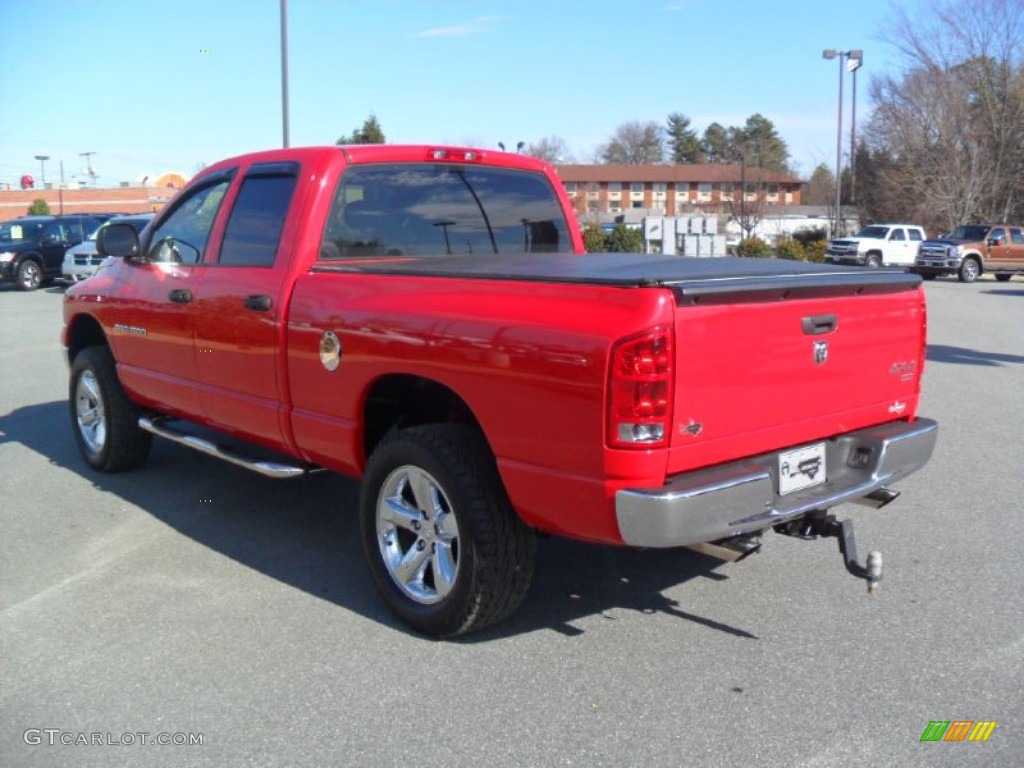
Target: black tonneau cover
692,280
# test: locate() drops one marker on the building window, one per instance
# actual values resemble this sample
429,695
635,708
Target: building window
637,203
615,206
592,189
614,186
704,191
660,189
636,188
727,190
570,187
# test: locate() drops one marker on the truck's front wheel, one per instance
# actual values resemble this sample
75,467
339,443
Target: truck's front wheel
105,422
30,275
970,270
444,546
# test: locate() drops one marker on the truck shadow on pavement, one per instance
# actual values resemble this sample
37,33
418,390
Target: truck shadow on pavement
938,353
304,533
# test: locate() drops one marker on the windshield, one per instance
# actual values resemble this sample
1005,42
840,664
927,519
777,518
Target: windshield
968,233
875,233
427,209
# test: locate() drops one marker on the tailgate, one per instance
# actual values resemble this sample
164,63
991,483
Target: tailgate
769,368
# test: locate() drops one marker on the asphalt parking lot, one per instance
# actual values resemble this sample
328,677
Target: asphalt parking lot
193,601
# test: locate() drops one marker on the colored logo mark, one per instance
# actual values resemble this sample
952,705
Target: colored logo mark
958,730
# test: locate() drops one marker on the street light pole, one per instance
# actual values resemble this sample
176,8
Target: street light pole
855,62
855,59
831,53
284,71
42,169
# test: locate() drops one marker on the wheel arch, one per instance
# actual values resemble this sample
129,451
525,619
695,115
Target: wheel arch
405,400
84,331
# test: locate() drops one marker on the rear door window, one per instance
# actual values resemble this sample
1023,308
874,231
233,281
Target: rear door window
442,209
257,218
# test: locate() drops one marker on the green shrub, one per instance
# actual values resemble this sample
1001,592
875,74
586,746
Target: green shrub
754,246
594,239
623,239
39,207
788,248
815,251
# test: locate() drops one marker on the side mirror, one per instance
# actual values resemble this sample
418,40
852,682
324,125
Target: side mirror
118,240
995,241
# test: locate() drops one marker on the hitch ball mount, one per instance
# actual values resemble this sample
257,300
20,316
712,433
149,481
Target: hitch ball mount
823,525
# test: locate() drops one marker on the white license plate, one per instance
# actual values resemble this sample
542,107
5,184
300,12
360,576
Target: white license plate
801,468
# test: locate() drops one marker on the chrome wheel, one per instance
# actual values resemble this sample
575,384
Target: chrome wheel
970,270
418,535
30,276
89,413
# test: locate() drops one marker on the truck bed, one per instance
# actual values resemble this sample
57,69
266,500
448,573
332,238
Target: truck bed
692,280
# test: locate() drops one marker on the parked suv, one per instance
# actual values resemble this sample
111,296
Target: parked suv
32,247
82,261
971,249
878,245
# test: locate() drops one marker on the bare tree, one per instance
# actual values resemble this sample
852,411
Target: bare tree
821,187
551,148
952,127
635,143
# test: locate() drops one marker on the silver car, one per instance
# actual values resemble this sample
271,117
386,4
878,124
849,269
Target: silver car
82,261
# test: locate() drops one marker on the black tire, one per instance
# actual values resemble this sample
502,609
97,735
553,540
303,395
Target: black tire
927,275
104,421
1003,278
970,270
481,555
873,260
30,275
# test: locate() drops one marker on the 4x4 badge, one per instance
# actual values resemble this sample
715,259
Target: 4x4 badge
820,352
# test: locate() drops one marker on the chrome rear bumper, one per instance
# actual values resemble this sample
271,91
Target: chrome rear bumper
742,497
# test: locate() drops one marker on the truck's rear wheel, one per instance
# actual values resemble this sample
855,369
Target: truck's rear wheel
104,420
970,270
444,546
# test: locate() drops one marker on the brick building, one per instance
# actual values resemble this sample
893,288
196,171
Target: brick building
676,189
128,198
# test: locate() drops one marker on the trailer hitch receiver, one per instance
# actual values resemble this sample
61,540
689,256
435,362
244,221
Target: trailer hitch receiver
820,524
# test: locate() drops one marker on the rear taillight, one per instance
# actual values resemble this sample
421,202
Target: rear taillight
640,382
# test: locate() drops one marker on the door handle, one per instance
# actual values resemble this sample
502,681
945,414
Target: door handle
258,303
818,324
180,295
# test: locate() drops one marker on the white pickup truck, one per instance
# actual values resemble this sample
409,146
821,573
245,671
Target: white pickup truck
878,245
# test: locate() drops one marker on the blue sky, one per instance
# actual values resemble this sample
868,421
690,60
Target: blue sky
167,85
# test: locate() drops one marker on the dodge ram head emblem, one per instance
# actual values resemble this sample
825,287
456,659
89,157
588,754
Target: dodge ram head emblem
820,352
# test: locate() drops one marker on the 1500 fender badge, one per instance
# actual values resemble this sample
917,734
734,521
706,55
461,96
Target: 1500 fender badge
330,351
131,330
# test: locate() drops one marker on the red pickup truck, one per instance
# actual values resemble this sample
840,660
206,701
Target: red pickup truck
426,319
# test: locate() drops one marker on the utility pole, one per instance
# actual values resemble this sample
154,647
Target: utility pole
88,166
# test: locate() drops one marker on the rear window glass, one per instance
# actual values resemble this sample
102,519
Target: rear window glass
438,209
